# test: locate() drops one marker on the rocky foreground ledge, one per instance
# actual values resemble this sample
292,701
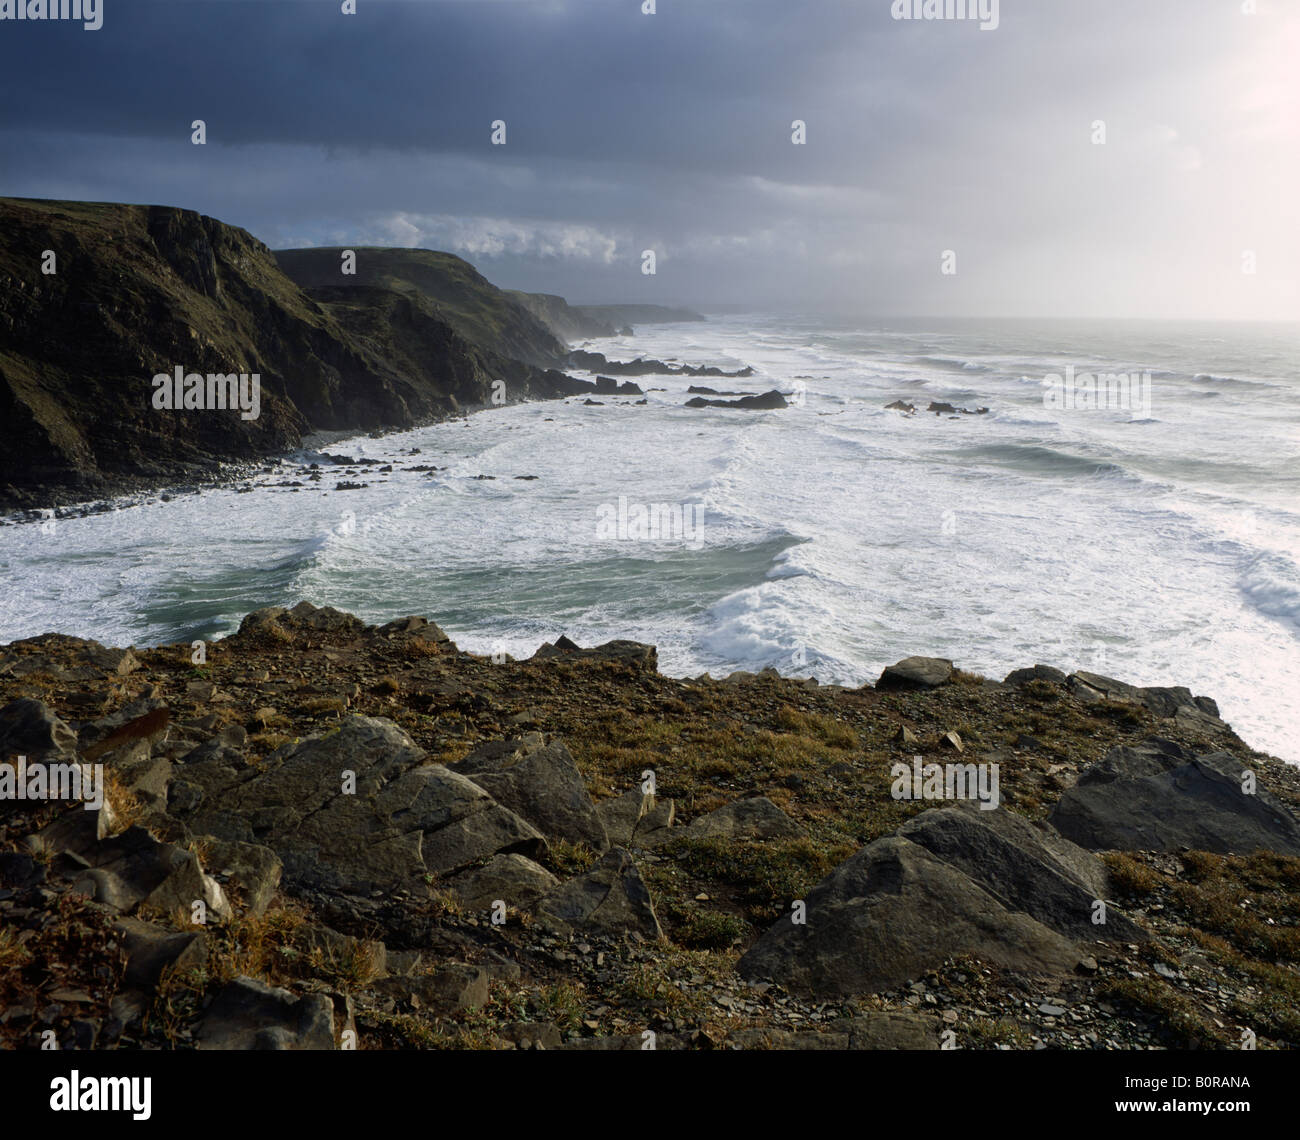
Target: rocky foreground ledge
335,835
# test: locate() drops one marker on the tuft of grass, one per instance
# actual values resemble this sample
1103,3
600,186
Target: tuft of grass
767,875
985,1033
1174,1014
709,929
562,1005
567,859
962,677
13,954
1129,876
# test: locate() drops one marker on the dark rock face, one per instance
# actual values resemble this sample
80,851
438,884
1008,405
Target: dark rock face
768,401
1034,673
29,728
1160,797
248,1014
611,897
1168,702
564,320
476,309
156,288
608,386
916,673
403,820
1030,869
514,879
540,783
891,913
627,652
638,819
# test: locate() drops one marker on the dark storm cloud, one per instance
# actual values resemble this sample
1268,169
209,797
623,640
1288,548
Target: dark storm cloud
673,132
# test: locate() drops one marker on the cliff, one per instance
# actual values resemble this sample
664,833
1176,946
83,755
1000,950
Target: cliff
563,319
134,291
621,315
454,290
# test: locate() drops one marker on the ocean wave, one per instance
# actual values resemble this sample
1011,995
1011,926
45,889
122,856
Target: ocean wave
1271,584
1042,460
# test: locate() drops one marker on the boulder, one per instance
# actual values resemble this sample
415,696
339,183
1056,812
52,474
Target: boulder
514,879
1035,673
1161,797
1028,867
303,618
417,627
916,673
150,949
405,819
611,897
132,869
252,870
248,1014
768,401
753,818
637,819
32,729
540,783
621,651
890,914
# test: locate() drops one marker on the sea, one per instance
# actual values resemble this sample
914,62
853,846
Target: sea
1148,529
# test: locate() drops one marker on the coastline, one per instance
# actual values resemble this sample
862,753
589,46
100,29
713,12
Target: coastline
764,789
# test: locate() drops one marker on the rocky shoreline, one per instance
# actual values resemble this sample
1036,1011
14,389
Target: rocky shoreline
322,834
97,300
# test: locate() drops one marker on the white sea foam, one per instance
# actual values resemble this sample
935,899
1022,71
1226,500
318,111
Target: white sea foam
839,535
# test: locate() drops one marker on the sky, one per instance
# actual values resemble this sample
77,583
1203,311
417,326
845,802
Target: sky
950,167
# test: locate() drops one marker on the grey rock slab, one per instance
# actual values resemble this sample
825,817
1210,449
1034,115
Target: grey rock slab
891,913
248,1014
753,818
1155,799
1028,867
540,783
514,879
611,897
916,673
